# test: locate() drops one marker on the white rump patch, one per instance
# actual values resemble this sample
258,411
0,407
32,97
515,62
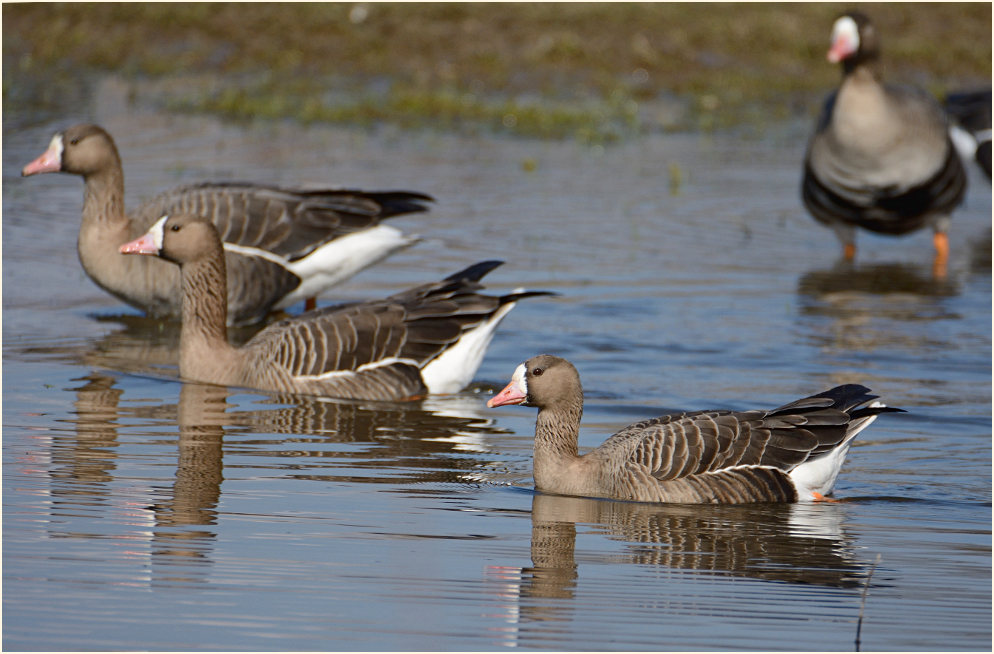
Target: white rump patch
819,475
338,260
453,370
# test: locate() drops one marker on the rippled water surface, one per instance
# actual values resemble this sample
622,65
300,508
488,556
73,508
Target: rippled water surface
144,513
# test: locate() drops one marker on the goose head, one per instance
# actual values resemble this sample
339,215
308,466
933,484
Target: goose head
180,238
854,40
79,150
542,381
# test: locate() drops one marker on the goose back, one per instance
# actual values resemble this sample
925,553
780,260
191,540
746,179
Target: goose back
380,349
290,223
282,245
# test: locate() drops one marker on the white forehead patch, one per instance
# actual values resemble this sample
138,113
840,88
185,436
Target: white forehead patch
57,145
846,28
157,231
519,379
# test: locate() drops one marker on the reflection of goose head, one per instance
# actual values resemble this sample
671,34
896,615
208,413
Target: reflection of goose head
137,344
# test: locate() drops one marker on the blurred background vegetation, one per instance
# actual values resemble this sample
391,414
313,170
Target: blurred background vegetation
586,70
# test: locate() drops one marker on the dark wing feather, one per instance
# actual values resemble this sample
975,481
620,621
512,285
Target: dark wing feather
287,222
270,283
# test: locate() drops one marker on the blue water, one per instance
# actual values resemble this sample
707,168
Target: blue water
144,513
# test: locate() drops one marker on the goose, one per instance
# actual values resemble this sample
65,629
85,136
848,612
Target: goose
428,339
881,157
790,454
282,245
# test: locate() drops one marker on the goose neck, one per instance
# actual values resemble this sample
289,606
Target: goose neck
103,197
557,431
203,334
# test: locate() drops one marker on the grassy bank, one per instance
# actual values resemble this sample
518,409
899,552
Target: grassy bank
553,70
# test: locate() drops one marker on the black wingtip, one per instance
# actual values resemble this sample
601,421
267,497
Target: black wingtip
520,295
873,410
476,272
851,397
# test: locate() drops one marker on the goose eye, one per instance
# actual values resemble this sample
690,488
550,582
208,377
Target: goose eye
74,141
537,372
174,228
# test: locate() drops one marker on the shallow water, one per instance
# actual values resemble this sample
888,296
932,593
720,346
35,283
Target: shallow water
144,513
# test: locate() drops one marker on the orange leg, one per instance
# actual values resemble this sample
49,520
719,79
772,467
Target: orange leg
818,497
941,242
849,251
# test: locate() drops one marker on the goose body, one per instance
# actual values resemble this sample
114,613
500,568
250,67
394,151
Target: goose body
428,339
789,454
881,157
281,245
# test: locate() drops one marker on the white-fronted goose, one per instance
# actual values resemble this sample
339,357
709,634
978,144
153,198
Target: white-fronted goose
789,454
281,245
881,157
429,339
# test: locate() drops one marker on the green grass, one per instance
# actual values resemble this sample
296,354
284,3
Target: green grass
588,70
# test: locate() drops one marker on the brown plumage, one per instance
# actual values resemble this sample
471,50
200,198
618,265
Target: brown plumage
428,339
789,454
282,245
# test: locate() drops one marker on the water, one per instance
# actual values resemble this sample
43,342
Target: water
144,513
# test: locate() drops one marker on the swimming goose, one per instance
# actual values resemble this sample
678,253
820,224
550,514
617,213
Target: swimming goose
881,157
789,454
428,339
281,245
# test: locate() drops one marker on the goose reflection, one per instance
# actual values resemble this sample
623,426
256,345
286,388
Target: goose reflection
136,344
392,443
89,458
874,279
181,535
791,543
868,307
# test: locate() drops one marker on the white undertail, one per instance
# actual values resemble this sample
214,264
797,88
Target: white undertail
454,369
819,475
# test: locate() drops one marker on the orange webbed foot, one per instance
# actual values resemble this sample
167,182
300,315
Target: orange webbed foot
941,242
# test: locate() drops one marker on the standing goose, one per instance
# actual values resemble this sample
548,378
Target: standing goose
428,339
282,246
789,454
881,157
